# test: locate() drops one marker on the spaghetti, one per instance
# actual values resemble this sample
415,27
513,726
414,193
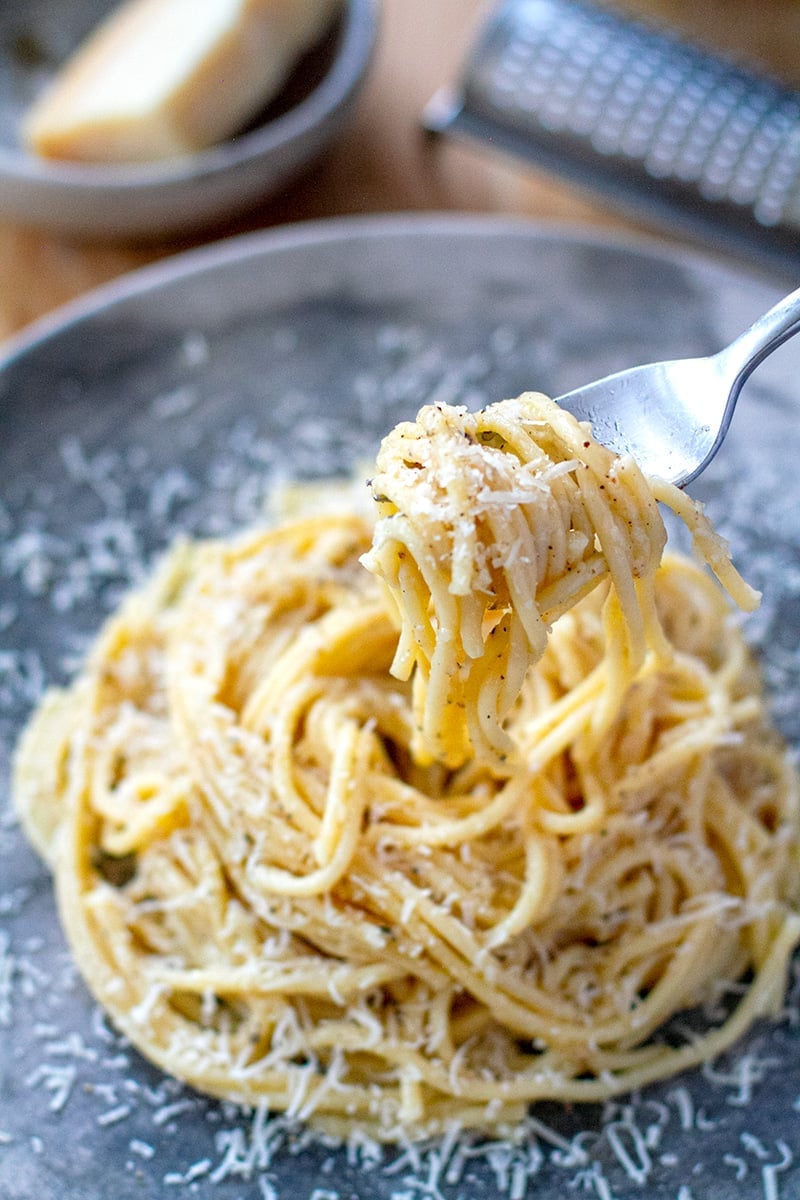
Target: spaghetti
491,526
282,896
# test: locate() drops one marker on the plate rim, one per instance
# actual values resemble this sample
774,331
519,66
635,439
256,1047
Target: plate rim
182,265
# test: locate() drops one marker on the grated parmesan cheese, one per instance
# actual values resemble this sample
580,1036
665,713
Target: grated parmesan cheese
104,555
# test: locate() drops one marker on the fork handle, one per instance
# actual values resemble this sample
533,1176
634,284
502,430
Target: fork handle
765,335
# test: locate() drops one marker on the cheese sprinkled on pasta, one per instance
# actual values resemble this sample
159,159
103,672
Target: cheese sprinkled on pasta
402,851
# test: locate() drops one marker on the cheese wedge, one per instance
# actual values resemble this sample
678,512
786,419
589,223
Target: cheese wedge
161,78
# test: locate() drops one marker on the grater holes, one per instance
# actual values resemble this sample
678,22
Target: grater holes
610,89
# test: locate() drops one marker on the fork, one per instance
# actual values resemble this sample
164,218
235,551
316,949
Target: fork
672,417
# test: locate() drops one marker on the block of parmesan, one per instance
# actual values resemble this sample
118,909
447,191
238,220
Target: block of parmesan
160,78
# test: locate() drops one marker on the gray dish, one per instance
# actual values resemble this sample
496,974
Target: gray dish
181,196
172,401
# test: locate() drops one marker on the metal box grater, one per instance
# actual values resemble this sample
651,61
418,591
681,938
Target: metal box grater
673,132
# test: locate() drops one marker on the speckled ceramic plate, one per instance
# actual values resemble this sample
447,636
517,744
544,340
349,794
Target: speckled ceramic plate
172,401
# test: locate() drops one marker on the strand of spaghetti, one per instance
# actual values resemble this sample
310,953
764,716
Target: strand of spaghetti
710,546
341,822
299,976
542,876
549,733
283,721
334,845
456,831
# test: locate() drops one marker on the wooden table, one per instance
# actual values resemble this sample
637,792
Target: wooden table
383,163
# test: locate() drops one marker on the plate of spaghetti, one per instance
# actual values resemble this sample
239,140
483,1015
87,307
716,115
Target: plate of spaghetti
399,794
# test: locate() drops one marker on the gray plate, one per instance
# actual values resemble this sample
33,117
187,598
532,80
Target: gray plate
177,196
173,401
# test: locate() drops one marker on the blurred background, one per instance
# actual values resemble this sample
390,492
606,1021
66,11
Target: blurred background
381,160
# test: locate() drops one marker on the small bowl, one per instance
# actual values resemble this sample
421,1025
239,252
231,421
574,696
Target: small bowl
180,196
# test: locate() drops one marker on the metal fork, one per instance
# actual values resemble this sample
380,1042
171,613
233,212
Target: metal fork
672,417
